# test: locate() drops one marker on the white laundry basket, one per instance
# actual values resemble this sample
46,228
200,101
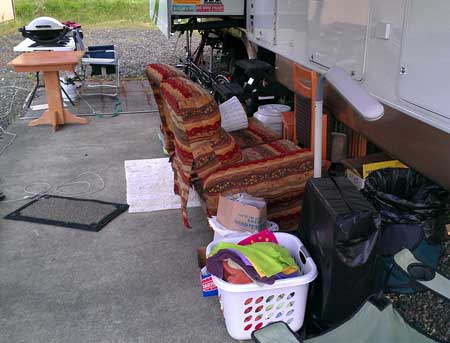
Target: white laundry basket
249,307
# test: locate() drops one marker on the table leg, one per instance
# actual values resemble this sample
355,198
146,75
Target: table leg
56,114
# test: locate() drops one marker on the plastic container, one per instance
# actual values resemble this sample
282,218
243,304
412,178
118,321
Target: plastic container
270,115
250,307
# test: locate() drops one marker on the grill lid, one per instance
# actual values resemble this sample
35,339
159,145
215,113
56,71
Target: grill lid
44,23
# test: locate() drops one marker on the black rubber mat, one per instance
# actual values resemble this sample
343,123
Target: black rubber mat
83,214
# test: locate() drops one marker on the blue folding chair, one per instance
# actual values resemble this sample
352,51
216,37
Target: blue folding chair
104,60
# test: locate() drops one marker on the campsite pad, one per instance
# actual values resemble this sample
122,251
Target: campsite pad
83,214
134,96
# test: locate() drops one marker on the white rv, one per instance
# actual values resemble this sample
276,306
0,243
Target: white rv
397,49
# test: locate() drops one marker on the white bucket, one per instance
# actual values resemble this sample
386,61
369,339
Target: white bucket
274,108
270,115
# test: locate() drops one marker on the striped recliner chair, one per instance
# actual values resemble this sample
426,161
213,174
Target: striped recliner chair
256,133
209,158
157,73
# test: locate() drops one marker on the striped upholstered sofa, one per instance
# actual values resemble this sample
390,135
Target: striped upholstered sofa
215,162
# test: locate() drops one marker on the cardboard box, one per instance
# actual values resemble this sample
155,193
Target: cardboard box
357,169
242,212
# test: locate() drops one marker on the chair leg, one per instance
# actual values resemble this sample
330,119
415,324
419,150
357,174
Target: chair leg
116,84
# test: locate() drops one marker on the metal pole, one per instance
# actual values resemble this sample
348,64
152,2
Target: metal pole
211,60
318,111
188,45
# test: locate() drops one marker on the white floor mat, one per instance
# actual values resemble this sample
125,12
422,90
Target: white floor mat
150,186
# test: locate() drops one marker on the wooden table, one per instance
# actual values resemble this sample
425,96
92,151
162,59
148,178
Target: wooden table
51,63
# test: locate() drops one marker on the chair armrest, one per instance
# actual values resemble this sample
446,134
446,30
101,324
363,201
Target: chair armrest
101,48
265,132
215,153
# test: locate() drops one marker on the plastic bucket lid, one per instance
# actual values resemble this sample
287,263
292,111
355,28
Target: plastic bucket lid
268,118
273,109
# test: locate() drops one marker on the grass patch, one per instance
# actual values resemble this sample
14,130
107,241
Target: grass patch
89,13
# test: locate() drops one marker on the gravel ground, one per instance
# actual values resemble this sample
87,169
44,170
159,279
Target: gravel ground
137,48
427,311
10,78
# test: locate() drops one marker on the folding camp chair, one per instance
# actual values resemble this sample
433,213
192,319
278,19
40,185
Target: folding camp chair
103,60
377,321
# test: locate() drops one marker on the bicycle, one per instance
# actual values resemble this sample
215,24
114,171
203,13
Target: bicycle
208,79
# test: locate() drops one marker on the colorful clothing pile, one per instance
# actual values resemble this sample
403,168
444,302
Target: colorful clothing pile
257,258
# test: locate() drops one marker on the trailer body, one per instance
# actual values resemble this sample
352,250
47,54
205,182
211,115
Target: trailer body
397,49
165,13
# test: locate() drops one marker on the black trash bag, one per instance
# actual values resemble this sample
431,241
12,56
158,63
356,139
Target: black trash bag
395,237
403,196
340,228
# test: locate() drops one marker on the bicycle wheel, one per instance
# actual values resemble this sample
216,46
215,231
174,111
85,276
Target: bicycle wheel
220,79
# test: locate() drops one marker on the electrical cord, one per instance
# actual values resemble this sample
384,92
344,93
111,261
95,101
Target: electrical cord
94,112
34,193
12,99
16,87
4,132
73,182
10,105
59,189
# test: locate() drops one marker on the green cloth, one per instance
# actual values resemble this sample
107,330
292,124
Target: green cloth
267,258
370,325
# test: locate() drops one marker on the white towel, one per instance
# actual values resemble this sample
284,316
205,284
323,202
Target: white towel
150,186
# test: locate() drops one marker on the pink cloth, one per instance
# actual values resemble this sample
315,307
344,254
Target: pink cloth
262,236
